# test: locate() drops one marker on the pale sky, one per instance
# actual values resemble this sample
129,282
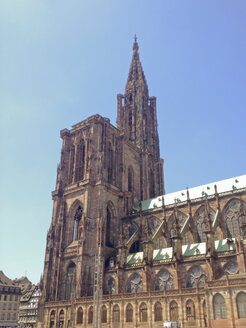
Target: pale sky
62,61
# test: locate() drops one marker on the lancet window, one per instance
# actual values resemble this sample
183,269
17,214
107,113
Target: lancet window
143,314
52,318
219,307
241,305
110,286
80,161
71,164
77,218
90,315
174,311
61,319
79,316
232,218
110,162
190,311
158,312
130,179
116,313
129,313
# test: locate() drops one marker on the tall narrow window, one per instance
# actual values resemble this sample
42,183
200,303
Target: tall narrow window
241,305
130,121
90,315
71,164
108,228
69,278
79,316
116,313
80,161
143,314
219,307
77,218
158,311
52,319
151,184
104,314
174,311
110,162
129,313
190,311
61,319
204,307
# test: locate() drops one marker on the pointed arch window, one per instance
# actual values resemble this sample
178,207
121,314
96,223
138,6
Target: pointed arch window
219,307
241,305
174,311
130,121
104,314
232,217
190,311
164,281
69,280
158,311
116,313
61,319
110,286
77,218
151,184
136,247
196,278
80,161
52,318
129,313
143,314
90,315
71,164
134,284
204,308
79,316
110,162
109,227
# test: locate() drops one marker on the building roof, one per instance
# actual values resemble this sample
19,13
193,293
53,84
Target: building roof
4,280
223,186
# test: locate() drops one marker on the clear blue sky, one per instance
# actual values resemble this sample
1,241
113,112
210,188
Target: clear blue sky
62,61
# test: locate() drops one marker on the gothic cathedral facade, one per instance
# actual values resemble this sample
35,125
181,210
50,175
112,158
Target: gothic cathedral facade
119,243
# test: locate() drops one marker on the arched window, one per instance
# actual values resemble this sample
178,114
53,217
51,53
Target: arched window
134,284
199,219
231,216
69,278
219,307
110,162
110,286
77,218
158,311
109,227
151,184
52,318
241,305
104,314
61,319
129,313
164,281
80,161
196,278
71,164
90,315
143,314
130,179
174,316
79,316
116,313
190,311
130,121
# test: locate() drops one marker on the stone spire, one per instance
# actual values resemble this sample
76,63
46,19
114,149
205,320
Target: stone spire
136,75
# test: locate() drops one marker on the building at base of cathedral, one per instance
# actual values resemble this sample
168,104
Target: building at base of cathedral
122,253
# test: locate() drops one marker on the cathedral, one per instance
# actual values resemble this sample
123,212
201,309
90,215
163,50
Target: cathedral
122,253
